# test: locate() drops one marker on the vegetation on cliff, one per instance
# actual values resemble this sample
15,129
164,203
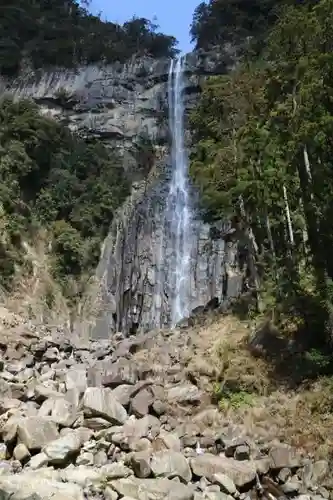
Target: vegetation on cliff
244,24
63,33
49,178
263,156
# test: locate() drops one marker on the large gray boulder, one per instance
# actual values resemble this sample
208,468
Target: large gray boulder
100,402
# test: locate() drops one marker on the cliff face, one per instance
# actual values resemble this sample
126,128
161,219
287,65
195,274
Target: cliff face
121,104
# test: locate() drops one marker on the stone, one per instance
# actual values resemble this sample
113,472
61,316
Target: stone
115,471
62,412
262,465
76,378
208,465
184,394
62,449
157,489
36,432
284,456
100,458
85,458
159,407
284,474
242,452
170,464
166,441
21,453
118,373
141,402
110,494
28,486
43,391
226,484
51,354
96,423
314,473
9,429
99,402
3,451
123,393
38,461
140,463
291,487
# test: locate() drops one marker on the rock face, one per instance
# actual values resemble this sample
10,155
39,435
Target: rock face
108,451
121,104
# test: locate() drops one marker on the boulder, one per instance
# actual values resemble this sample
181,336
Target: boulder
36,432
62,449
284,456
170,464
28,486
100,402
184,394
208,465
141,402
157,489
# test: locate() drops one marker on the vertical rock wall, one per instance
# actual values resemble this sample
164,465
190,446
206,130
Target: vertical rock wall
119,104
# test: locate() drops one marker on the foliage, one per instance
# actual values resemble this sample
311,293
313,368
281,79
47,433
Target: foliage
233,399
263,152
236,22
52,178
63,33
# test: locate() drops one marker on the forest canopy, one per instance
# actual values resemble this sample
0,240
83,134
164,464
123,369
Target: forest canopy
262,155
52,179
238,22
42,33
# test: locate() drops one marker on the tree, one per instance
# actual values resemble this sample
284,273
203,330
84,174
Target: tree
263,153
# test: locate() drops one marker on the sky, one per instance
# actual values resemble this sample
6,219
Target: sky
173,16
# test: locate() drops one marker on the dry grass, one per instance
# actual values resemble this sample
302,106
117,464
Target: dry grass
302,417
36,295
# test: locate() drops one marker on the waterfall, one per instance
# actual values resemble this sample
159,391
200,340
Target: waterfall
174,250
178,205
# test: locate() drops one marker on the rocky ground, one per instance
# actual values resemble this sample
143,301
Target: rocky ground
132,418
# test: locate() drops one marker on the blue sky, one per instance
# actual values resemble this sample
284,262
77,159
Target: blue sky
173,16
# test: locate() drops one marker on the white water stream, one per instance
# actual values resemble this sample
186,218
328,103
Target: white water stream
175,246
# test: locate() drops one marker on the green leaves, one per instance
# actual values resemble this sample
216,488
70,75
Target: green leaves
69,186
61,33
264,132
